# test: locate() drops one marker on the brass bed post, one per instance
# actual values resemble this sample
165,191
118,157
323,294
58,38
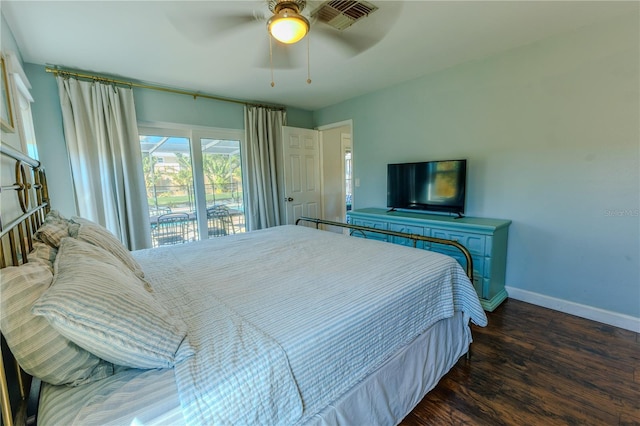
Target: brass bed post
33,201
7,415
13,248
44,193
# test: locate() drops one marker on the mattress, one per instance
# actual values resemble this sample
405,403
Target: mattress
328,310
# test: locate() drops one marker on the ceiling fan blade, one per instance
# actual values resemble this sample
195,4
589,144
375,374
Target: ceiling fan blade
203,28
349,43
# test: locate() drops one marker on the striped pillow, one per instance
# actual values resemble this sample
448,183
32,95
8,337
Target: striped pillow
43,253
39,349
102,308
100,236
54,228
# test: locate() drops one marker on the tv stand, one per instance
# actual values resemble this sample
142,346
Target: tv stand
460,216
486,240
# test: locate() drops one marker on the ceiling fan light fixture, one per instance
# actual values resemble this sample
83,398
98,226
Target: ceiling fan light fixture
288,26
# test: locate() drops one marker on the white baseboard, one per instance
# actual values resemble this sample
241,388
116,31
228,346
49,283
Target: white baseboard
584,311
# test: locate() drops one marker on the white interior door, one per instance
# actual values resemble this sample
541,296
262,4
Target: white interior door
301,169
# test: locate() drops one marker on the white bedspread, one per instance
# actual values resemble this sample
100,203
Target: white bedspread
287,319
238,375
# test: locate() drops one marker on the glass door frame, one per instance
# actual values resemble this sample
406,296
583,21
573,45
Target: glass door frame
198,134
195,134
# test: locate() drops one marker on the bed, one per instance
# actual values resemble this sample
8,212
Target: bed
287,325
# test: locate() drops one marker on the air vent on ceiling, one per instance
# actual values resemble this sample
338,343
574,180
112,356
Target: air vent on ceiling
343,14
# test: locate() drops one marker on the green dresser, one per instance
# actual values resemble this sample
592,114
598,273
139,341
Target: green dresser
486,240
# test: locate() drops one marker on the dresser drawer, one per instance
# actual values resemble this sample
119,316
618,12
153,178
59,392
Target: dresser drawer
408,229
371,224
475,243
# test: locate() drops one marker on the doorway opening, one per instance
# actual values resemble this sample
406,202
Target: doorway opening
348,179
337,172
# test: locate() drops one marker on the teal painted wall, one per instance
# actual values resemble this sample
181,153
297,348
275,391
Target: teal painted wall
551,132
47,122
151,106
297,117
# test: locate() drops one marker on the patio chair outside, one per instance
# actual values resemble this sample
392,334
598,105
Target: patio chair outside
158,211
172,228
219,221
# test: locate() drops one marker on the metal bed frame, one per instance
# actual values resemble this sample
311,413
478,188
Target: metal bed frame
18,390
414,237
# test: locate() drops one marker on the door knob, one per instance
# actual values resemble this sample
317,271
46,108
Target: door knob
286,199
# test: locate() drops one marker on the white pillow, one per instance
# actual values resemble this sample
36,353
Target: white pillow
103,308
100,236
39,349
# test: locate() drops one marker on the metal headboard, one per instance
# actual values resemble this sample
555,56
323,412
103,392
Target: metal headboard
414,237
16,241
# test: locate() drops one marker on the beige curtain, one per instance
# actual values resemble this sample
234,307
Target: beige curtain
101,132
263,128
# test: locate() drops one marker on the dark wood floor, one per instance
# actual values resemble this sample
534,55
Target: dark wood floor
535,366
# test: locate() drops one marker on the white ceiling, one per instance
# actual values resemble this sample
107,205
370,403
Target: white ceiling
189,44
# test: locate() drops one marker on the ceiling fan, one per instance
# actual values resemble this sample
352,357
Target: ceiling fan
287,25
290,21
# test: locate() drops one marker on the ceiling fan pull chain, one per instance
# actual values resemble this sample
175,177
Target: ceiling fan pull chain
308,60
271,61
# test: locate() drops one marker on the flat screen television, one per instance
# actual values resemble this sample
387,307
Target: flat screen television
437,186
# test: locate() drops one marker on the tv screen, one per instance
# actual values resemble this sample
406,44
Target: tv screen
434,185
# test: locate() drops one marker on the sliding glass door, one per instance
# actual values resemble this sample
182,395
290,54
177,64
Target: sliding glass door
222,169
194,181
